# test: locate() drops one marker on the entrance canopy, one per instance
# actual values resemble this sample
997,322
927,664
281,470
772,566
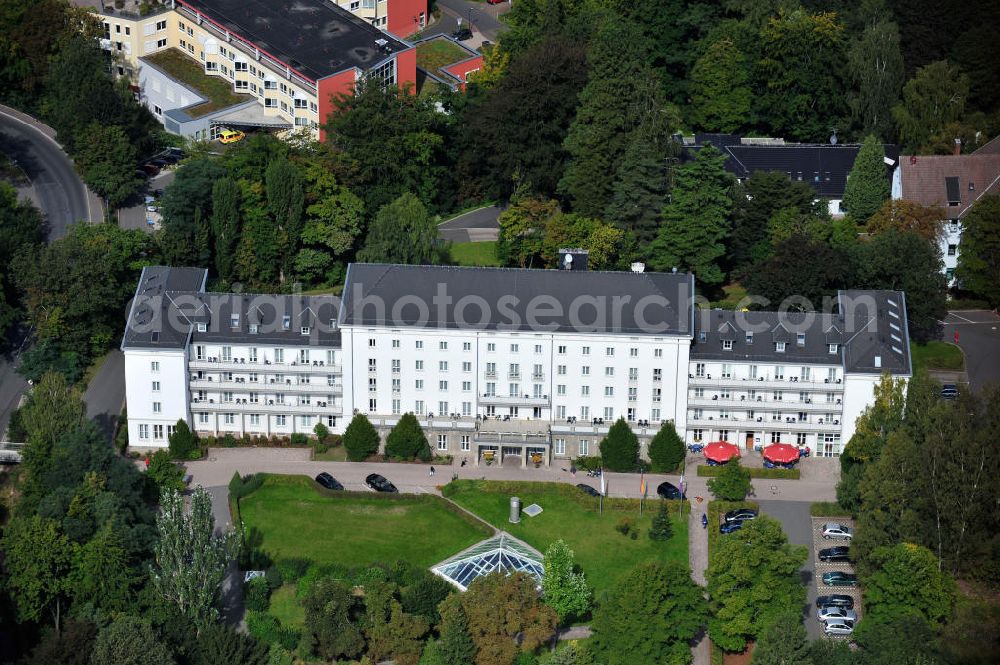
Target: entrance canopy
502,553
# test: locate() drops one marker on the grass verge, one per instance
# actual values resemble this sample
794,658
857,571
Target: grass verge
294,517
474,253
602,552
332,454
937,356
705,470
285,607
828,509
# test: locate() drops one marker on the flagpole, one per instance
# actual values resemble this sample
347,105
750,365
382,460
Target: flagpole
604,490
642,491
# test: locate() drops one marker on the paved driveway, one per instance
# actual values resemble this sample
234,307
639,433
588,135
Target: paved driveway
105,394
474,226
795,520
979,336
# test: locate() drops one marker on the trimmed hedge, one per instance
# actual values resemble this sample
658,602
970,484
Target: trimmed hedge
515,487
828,509
755,472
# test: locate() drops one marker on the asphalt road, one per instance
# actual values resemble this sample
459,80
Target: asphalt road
474,226
797,524
484,19
56,188
105,394
979,337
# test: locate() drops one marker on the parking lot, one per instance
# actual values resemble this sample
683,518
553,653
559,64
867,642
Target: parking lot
818,588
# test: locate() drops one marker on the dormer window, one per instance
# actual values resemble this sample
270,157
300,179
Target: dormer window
202,327
779,347
833,347
800,339
305,330
749,338
254,328
234,321
286,323
727,344
702,336
878,361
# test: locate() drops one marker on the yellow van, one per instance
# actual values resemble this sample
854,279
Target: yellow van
230,136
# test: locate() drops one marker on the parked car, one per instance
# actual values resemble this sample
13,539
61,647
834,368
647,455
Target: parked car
835,613
380,484
169,158
729,527
141,174
949,391
151,169
587,489
328,481
839,531
230,136
834,554
159,162
462,34
840,578
740,514
838,628
668,491
838,599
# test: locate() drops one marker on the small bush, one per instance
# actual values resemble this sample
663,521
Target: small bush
706,471
274,578
624,526
322,432
257,594
299,439
268,629
587,463
292,569
228,441
449,490
242,486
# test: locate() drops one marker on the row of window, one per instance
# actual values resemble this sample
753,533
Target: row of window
156,430
280,420
800,417
754,373
515,347
303,356
760,396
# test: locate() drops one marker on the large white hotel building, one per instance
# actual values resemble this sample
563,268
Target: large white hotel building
506,360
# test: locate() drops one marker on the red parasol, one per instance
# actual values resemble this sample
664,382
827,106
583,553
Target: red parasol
782,453
721,451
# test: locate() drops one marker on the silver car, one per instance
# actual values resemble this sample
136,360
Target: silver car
839,531
838,628
829,613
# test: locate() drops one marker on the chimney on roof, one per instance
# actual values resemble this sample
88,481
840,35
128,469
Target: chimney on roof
958,146
573,259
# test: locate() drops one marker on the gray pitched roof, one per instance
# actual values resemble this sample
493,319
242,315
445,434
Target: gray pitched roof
170,303
868,325
514,299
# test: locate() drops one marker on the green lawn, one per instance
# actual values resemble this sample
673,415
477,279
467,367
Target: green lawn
218,90
286,607
475,253
937,355
603,553
332,454
295,518
734,293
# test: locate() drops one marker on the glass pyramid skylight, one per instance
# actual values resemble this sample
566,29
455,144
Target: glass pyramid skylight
502,553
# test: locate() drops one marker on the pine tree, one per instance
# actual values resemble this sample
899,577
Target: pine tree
225,225
696,221
455,646
867,186
666,450
360,438
183,441
640,189
621,92
620,448
662,528
407,440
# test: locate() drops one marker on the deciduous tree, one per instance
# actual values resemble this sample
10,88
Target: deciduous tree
784,642
799,266
931,99
901,215
649,616
225,225
403,232
106,160
752,579
906,580
330,622
129,640
37,559
720,89
564,587
875,63
190,562
979,259
732,483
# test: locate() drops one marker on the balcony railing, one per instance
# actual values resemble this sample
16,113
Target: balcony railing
515,400
215,363
767,403
765,424
748,384
286,386
318,408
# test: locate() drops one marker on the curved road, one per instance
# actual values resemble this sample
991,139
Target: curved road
55,186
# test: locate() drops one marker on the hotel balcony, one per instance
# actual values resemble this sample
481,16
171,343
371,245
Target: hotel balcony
766,403
265,406
764,424
270,385
790,383
515,400
242,364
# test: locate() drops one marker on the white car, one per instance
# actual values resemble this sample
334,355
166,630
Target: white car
830,613
839,531
838,628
